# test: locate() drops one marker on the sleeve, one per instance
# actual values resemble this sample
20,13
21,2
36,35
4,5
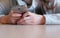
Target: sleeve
4,9
20,2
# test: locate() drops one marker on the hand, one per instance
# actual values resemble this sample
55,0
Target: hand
14,16
26,20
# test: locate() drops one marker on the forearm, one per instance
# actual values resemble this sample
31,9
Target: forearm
4,20
43,20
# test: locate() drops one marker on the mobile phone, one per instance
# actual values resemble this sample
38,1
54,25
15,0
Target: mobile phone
21,9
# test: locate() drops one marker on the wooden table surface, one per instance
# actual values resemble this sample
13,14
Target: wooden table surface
30,31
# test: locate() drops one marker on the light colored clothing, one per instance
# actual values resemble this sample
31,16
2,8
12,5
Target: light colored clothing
34,5
57,7
52,19
1,8
20,2
57,2
4,9
50,11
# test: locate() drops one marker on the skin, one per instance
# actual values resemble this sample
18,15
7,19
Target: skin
32,19
28,19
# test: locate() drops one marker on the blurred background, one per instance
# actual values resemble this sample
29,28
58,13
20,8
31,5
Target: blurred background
36,6
49,8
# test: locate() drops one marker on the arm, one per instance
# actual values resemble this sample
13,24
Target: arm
4,20
43,20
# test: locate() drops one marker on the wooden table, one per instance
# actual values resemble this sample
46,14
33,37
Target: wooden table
30,31
52,31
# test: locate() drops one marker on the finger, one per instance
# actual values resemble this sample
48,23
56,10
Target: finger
26,15
16,15
13,20
20,21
